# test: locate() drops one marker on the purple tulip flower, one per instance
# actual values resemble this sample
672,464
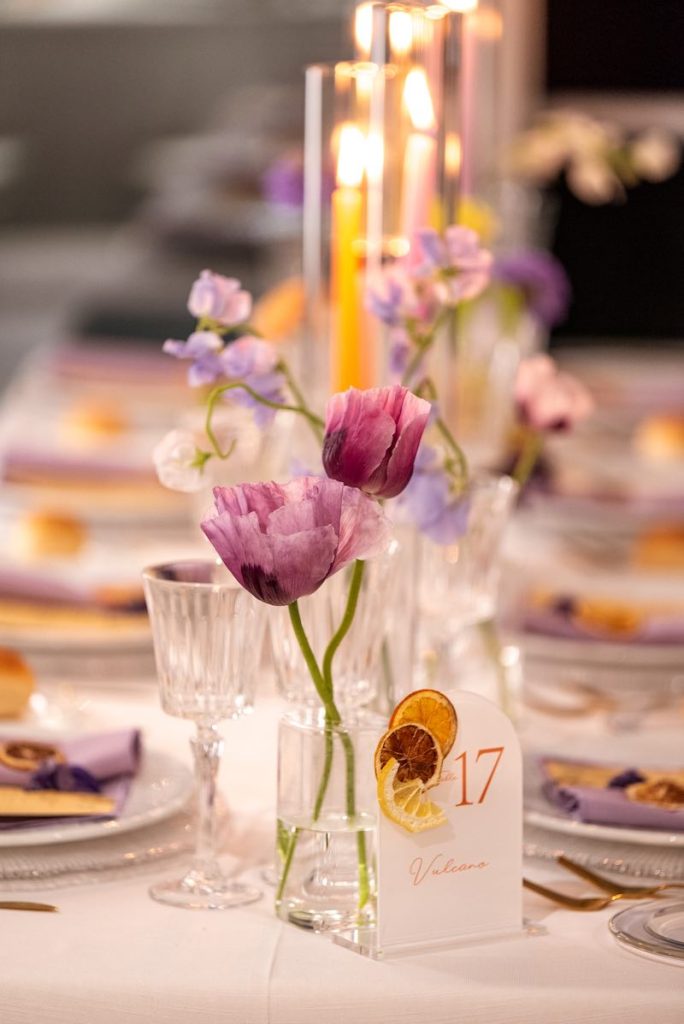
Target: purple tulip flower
429,502
372,437
541,279
219,298
282,541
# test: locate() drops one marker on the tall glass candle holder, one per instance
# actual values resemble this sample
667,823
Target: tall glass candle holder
350,160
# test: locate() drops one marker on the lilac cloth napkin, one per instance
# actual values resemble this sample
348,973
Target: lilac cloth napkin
112,758
557,621
610,806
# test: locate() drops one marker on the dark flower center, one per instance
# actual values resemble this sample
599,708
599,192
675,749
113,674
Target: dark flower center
333,445
263,585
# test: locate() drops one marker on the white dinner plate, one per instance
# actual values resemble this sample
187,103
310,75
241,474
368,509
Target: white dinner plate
162,787
538,811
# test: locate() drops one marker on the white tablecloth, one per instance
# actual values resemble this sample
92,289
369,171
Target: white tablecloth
114,956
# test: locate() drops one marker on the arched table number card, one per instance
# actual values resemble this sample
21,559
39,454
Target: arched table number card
449,843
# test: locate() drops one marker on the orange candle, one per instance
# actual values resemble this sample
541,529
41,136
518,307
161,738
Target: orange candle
350,360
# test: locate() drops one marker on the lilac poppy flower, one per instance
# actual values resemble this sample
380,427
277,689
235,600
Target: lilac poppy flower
463,268
429,502
547,399
254,361
372,437
219,298
282,541
541,279
204,348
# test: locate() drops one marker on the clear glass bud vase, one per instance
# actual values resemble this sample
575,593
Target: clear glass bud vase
326,820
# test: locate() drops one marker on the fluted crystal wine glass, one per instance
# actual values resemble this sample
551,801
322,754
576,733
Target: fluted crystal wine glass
208,633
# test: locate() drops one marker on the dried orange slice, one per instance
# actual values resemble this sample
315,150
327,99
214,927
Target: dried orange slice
416,751
431,709
407,803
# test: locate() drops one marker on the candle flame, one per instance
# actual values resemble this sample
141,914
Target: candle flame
363,28
452,154
419,101
486,23
351,158
400,33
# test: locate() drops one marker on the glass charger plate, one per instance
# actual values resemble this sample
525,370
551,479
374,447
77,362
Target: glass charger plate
162,787
650,863
632,929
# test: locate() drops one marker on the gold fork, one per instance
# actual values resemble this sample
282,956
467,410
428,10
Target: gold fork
629,892
572,902
47,908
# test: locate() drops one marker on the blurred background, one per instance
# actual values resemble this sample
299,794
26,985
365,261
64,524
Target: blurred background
138,143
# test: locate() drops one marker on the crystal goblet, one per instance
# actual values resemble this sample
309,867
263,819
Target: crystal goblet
208,633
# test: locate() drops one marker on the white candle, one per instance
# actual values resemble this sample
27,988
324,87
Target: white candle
420,158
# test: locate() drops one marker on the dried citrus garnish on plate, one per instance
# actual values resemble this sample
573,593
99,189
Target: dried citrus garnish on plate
431,709
407,803
416,751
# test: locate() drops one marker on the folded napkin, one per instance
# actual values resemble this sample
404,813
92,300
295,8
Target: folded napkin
24,583
613,795
93,763
578,619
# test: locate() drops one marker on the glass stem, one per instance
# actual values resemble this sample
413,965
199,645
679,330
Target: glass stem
207,747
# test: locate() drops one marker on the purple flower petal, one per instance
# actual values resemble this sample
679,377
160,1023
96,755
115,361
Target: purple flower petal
364,432
282,541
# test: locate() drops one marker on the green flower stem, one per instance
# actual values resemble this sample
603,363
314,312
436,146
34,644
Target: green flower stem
287,864
456,451
345,625
531,450
342,630
315,421
323,681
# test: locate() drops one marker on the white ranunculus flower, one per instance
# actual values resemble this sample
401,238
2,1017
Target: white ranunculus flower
179,462
655,155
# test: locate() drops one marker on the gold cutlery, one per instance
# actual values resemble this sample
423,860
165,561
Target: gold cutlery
46,908
628,892
572,902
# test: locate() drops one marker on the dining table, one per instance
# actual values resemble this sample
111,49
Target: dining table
113,955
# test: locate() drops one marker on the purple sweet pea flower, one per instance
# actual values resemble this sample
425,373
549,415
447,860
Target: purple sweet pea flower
541,279
399,352
372,437
282,541
429,503
254,361
219,298
204,348
395,297
283,182
462,267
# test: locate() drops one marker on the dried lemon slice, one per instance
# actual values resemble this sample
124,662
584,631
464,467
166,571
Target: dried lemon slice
407,803
416,751
431,709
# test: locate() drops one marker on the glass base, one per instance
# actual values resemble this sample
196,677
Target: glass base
197,892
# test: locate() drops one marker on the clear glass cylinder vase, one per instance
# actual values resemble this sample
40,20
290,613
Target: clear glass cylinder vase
325,850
